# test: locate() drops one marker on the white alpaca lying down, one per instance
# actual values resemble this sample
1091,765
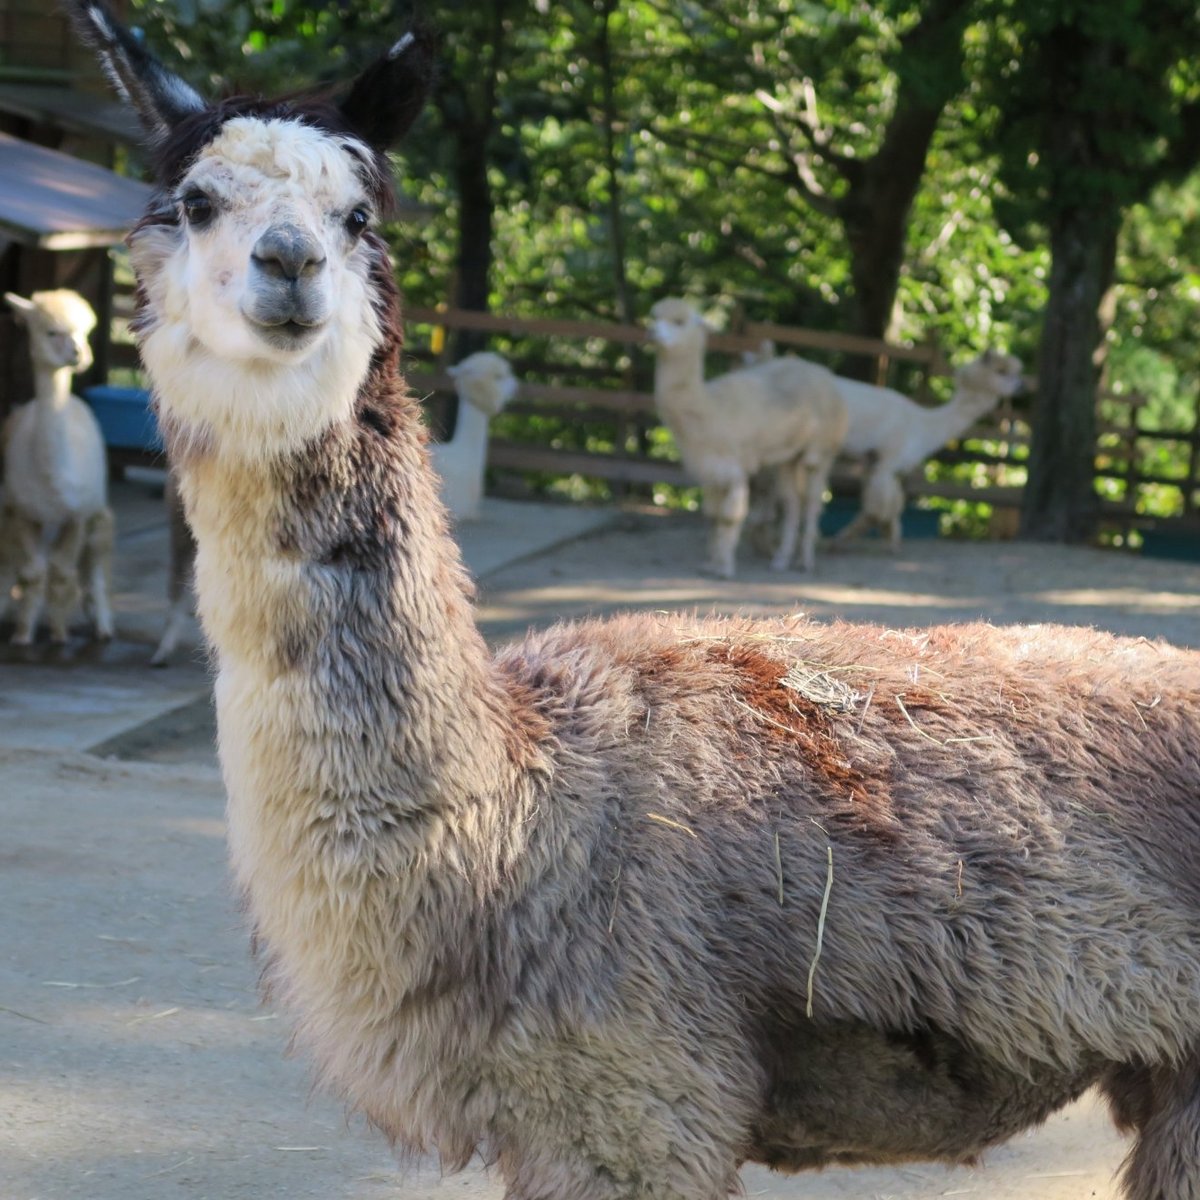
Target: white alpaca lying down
56,520
781,412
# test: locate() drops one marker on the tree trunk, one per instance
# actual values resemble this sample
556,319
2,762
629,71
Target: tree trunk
474,266
1060,501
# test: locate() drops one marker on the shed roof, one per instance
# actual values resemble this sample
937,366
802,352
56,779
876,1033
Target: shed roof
55,202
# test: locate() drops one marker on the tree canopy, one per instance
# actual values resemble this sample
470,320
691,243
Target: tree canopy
985,172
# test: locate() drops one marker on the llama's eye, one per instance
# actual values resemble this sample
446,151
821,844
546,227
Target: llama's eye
357,222
197,208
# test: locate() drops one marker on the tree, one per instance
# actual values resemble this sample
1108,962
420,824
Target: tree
1101,105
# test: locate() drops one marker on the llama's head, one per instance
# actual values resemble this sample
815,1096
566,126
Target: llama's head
58,324
485,380
676,325
984,381
259,276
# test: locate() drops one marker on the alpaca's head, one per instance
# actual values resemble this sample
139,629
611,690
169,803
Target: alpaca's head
58,324
984,381
675,325
485,380
258,273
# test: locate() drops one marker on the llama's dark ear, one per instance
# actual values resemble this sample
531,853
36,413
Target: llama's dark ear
388,96
160,98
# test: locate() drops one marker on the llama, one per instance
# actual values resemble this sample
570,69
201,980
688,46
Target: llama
899,435
631,902
777,412
56,477
485,384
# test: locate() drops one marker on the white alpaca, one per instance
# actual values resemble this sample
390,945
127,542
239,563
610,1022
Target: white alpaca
898,435
779,412
631,902
56,476
485,384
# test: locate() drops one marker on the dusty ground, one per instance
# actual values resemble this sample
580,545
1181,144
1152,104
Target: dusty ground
135,1062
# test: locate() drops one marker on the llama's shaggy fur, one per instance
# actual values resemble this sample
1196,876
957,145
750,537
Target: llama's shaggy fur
485,384
777,412
56,517
632,902
896,435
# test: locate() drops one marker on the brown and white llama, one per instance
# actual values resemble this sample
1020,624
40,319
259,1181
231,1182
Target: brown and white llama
54,515
632,902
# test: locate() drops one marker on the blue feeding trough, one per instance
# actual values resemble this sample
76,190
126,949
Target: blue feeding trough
914,522
126,418
1179,544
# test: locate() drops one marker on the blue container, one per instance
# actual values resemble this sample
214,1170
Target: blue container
914,522
1180,545
125,417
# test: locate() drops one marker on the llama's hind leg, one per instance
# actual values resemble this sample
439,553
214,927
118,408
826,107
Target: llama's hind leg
789,483
1161,1105
31,578
62,579
728,507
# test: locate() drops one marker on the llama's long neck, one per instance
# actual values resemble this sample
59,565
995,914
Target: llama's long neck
679,386
950,420
471,434
51,386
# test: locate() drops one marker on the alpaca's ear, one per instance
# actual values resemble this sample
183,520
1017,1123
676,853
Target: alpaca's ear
160,98
20,306
388,96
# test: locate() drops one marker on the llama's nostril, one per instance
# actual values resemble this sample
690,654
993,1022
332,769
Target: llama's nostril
287,252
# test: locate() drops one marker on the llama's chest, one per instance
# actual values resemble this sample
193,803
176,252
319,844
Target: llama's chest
55,465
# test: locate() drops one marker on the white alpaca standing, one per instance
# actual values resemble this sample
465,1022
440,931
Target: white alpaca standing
898,434
778,412
485,384
56,476
633,901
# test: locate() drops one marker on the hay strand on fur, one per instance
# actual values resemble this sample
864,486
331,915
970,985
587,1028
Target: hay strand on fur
812,970
673,824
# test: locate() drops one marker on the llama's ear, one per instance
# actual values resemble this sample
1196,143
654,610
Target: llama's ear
20,306
388,96
160,98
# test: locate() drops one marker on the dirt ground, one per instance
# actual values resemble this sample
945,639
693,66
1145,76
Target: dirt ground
135,1061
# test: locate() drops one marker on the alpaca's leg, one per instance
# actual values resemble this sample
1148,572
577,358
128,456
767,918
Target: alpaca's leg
31,579
814,501
894,534
855,528
729,509
96,572
62,579
1162,1106
790,481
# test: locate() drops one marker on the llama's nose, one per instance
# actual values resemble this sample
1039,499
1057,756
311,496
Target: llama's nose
287,252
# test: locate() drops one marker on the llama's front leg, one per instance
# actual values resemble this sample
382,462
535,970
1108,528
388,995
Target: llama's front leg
1163,1106
62,579
814,502
96,571
789,482
31,578
728,507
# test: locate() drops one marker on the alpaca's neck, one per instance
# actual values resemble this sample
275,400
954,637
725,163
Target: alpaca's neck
931,428
679,387
354,689
470,434
52,387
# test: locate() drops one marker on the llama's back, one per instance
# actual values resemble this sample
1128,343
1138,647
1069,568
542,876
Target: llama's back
771,411
879,417
971,832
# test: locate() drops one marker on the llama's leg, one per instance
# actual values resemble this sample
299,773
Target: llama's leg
790,480
62,579
814,501
31,579
894,534
1162,1106
96,572
854,528
729,508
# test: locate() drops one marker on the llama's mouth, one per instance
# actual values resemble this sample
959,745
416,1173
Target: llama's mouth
288,334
